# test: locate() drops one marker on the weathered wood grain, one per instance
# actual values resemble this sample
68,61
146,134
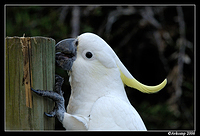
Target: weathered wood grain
30,62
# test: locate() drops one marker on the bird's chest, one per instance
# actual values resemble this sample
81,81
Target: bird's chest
80,105
83,97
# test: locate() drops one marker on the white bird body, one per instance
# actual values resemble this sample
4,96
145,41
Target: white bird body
104,106
107,113
98,99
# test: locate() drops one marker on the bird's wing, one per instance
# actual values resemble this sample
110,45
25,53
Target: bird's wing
112,113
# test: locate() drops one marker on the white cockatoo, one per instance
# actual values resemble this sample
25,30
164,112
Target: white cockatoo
98,99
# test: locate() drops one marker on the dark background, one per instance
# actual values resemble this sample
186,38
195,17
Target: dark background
153,42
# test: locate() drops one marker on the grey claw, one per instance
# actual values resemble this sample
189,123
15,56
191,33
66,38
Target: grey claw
39,92
33,90
50,114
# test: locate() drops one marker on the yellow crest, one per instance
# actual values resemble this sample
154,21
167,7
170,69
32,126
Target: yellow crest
130,81
141,87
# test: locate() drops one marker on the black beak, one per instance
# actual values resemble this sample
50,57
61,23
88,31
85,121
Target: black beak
66,53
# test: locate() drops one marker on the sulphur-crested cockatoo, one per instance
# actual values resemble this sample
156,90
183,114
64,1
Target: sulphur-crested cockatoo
98,99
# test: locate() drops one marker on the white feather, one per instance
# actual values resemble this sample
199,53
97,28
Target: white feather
112,113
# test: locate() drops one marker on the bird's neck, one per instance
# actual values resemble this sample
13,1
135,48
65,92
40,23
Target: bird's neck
84,92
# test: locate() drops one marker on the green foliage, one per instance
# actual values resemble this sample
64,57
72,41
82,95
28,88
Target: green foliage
34,21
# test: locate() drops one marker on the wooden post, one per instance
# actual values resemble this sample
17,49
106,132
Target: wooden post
30,62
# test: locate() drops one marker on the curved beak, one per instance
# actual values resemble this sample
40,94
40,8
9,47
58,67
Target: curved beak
66,53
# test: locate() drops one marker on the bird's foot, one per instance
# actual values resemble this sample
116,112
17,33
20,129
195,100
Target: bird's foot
57,97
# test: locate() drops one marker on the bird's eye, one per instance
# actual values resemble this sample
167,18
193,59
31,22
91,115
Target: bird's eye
88,55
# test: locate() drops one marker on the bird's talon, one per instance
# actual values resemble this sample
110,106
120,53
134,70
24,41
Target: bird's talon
37,91
50,114
33,90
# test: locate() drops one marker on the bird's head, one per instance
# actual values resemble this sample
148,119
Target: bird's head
89,56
